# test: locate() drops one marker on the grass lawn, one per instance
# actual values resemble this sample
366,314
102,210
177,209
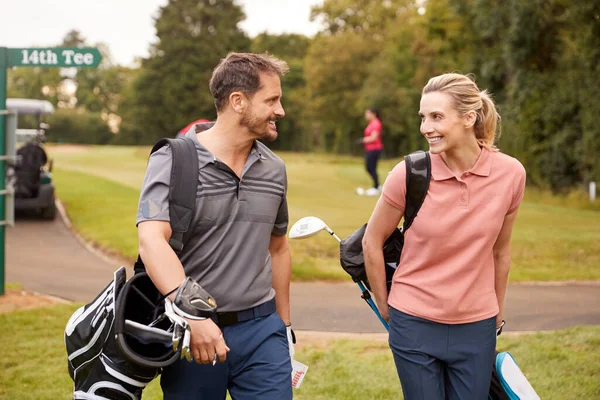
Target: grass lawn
554,238
561,365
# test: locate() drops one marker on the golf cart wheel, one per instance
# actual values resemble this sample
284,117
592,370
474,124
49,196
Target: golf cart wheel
49,212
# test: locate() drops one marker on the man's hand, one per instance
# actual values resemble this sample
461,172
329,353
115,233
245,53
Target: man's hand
207,340
291,336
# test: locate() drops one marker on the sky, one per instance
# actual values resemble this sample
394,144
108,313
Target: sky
129,31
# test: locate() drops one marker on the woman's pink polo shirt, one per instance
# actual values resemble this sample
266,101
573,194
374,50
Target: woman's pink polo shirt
446,271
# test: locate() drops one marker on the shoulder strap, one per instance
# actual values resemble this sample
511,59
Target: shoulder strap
418,175
182,191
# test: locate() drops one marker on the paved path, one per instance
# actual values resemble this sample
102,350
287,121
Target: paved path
46,257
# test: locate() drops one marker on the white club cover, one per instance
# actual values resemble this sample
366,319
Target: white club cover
291,341
513,381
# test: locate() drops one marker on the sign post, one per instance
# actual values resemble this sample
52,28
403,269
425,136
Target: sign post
3,113
65,57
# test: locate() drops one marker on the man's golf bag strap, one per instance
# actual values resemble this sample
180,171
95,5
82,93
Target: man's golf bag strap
182,192
418,175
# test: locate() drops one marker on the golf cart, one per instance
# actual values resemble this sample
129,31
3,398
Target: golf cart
30,175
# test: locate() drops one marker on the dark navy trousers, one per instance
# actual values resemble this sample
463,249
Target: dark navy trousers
371,158
258,366
442,361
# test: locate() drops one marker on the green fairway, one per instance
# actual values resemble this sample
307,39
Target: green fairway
100,187
560,365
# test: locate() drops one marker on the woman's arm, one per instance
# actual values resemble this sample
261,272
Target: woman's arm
371,138
502,262
383,221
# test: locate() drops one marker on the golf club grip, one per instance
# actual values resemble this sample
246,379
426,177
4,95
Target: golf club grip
146,334
371,304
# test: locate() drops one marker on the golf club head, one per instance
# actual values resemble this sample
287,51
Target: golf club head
307,227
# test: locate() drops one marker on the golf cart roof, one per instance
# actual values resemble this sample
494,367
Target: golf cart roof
30,106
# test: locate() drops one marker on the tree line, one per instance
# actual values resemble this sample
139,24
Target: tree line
539,58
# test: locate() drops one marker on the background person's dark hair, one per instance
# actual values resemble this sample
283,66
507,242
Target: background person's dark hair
375,111
239,72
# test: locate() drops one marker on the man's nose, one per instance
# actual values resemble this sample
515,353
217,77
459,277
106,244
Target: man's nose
279,111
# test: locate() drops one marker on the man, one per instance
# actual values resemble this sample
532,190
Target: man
238,252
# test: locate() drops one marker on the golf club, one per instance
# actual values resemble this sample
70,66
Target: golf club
310,226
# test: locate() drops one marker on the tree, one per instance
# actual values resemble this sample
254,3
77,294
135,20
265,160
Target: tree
291,48
34,83
172,88
74,38
370,18
335,72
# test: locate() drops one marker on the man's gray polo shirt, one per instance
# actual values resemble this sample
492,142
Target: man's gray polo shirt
228,253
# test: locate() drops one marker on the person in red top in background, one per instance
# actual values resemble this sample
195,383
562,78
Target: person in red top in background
373,146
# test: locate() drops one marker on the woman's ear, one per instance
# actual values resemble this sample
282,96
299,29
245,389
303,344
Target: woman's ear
470,119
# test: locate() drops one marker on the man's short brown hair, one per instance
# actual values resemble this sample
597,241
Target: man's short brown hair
239,72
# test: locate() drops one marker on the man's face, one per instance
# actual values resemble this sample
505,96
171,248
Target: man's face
264,109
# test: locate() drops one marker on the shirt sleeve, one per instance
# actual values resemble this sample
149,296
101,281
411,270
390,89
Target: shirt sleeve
518,188
154,195
377,126
394,188
282,219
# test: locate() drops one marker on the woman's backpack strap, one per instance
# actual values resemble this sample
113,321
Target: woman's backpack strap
418,175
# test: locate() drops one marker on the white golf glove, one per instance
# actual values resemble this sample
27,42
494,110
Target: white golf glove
291,337
499,329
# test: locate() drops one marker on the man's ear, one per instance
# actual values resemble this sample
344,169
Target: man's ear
470,119
238,101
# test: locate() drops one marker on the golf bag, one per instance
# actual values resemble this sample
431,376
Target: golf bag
418,175
508,382
117,344
31,158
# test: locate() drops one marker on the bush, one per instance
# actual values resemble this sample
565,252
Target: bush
77,126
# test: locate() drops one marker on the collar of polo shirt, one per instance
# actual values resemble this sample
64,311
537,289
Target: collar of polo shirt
482,167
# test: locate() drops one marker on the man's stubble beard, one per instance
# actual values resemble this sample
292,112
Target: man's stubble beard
258,128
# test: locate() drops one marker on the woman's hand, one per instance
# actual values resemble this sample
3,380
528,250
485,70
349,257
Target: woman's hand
499,325
385,313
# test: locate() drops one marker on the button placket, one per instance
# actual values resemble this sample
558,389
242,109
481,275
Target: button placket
464,194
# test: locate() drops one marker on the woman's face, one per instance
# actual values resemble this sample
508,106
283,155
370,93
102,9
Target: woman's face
369,115
441,124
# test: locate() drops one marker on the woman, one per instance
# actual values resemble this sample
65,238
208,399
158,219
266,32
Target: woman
447,295
373,146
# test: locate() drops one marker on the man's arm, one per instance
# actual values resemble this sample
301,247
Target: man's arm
383,221
162,264
165,270
281,263
502,261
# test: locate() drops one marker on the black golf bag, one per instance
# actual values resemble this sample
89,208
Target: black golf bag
353,262
101,350
31,158
418,175
118,343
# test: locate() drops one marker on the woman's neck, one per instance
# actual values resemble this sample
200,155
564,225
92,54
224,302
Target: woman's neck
462,159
